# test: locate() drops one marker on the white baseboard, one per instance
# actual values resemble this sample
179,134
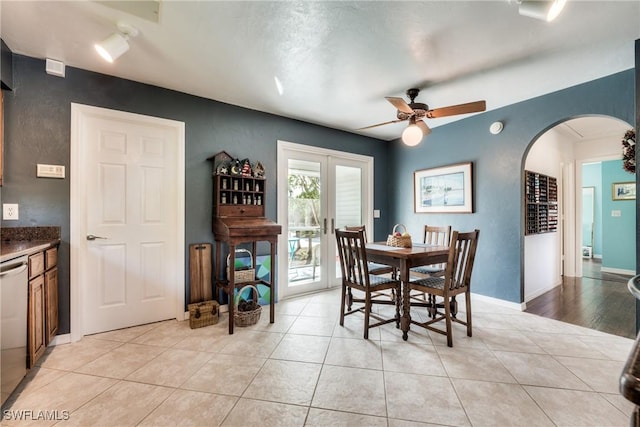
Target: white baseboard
617,271
598,256
501,302
61,339
539,292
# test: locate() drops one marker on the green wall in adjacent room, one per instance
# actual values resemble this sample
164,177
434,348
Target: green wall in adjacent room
618,243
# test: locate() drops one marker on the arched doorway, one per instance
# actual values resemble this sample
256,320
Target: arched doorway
553,261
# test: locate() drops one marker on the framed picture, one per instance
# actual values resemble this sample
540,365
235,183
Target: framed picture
444,189
623,191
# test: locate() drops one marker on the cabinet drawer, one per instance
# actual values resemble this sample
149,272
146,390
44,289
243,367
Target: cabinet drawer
241,210
51,257
36,264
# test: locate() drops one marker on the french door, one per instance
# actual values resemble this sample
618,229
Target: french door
319,190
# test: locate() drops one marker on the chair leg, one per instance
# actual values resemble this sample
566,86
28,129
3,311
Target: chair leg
367,310
349,299
343,299
447,319
467,296
397,300
432,309
454,306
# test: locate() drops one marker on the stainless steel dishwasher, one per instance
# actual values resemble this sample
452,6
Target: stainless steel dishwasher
14,292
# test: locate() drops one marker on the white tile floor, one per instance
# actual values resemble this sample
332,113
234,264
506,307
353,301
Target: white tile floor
305,369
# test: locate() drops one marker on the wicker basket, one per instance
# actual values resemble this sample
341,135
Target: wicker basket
203,314
246,318
245,275
403,241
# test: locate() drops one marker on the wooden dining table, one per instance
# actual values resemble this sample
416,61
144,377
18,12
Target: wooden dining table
404,259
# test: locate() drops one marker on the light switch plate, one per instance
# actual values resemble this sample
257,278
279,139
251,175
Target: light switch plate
616,213
50,171
376,213
10,211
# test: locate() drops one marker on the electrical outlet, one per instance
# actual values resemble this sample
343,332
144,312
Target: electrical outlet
10,211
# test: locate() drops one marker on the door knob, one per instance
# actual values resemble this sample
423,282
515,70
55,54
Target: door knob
92,237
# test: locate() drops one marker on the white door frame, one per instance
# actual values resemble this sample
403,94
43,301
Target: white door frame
78,229
282,267
577,250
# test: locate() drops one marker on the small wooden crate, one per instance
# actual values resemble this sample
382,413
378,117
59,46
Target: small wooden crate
203,314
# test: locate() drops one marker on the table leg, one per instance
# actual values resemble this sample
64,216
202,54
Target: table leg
231,285
272,290
405,321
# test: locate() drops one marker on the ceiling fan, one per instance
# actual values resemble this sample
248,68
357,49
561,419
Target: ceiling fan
416,111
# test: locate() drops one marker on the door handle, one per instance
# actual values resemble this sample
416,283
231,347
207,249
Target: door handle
333,225
92,237
325,225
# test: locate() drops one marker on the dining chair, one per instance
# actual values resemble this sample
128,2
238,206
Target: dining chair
374,268
356,277
455,280
433,235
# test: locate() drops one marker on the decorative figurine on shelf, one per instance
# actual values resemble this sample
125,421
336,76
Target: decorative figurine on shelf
235,167
246,167
223,169
258,170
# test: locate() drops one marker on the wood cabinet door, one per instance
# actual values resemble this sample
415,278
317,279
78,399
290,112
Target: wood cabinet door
51,295
36,320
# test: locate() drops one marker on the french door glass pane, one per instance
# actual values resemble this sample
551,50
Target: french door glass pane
348,196
305,219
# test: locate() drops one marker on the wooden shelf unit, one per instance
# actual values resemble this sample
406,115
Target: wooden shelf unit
239,218
541,203
238,196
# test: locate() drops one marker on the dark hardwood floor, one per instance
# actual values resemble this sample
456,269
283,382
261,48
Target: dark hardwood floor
598,300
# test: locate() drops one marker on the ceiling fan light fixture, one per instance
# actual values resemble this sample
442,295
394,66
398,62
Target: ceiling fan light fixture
117,43
412,135
546,10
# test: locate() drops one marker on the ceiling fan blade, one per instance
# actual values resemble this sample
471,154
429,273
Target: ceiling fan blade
470,107
381,124
423,126
400,104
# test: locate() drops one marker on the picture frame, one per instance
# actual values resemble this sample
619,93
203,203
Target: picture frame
446,189
623,191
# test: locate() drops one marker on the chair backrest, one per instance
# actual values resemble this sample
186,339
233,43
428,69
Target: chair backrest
437,235
462,253
357,228
353,257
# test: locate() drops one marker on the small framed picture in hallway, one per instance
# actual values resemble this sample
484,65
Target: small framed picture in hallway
623,191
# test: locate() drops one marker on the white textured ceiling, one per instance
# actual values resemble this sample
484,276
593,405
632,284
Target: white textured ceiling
337,60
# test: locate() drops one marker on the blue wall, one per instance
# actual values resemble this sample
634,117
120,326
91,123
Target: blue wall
592,177
37,118
498,162
37,130
618,250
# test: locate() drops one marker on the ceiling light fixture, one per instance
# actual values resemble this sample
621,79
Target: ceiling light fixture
412,135
547,10
116,44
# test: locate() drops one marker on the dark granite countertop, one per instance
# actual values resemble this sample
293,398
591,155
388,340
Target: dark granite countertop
9,250
18,241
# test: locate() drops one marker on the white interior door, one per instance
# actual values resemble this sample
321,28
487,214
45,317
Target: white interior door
130,237
325,190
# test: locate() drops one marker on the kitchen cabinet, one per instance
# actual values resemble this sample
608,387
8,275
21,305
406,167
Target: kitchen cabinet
35,320
43,302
